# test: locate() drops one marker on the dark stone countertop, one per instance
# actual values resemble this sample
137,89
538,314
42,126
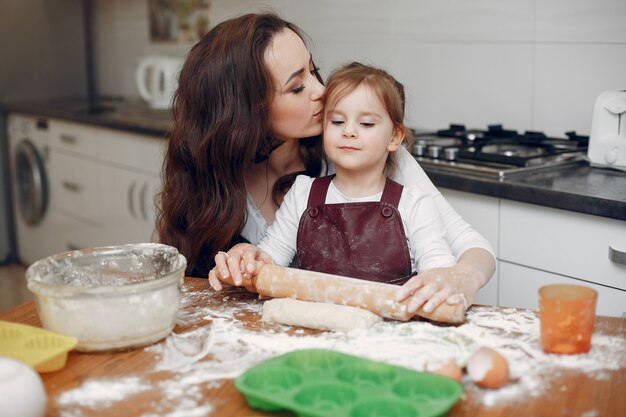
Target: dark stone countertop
117,113
579,188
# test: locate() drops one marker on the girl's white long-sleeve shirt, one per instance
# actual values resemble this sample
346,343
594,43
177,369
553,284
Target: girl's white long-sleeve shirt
420,220
459,235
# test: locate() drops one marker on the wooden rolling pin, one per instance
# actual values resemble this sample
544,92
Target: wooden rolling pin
379,298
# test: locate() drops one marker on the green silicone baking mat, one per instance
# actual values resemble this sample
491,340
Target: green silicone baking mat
318,382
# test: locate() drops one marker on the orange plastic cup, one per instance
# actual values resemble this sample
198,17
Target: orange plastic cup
567,314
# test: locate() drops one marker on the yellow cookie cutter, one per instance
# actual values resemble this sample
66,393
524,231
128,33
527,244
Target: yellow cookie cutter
43,350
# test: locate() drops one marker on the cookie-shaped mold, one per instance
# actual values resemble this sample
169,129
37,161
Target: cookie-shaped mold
7,334
45,342
367,374
432,395
384,408
43,350
325,397
426,387
272,380
263,385
314,360
321,383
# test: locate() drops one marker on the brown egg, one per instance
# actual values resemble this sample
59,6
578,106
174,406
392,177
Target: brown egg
451,370
488,368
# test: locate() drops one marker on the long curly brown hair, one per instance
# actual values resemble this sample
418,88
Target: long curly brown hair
221,127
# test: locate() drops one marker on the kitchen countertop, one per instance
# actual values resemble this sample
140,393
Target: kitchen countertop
579,188
115,113
155,381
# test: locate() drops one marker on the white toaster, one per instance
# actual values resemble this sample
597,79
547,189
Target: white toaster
607,142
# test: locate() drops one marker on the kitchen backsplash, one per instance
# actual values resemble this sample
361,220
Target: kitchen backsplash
531,64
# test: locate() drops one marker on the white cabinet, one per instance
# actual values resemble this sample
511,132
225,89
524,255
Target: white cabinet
482,213
541,245
103,183
519,287
562,242
538,245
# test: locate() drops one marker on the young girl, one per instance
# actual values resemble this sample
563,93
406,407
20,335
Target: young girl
247,121
358,222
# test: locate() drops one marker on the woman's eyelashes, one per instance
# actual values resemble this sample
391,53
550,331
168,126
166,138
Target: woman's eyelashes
314,72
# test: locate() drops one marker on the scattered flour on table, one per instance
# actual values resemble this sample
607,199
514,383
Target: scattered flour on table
90,393
417,345
225,348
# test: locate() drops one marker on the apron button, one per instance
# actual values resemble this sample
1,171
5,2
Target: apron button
313,211
387,211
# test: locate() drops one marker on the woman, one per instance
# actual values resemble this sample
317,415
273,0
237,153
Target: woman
247,121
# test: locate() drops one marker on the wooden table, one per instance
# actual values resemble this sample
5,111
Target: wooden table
571,393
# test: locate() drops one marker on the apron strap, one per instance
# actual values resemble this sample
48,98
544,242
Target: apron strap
319,189
392,193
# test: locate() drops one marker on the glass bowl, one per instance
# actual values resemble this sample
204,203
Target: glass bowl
109,298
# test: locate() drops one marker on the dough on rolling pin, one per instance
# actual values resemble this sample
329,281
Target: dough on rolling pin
320,316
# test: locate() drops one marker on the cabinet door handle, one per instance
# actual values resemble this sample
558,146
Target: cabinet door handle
131,199
72,246
617,256
68,139
72,186
142,202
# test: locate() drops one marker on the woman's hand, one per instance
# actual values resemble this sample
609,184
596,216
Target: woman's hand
454,285
238,266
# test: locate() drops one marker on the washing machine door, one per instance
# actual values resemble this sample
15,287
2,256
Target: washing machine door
31,183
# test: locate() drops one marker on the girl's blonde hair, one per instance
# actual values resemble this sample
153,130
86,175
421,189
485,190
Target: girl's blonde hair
389,91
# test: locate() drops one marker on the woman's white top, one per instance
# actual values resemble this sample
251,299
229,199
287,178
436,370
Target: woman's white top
420,219
459,235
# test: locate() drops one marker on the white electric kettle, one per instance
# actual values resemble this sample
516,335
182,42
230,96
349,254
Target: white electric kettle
157,80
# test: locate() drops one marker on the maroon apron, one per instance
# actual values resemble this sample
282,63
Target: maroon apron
361,240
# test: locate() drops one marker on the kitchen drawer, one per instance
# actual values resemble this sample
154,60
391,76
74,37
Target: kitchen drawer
75,186
124,149
75,233
73,137
70,233
562,242
118,200
519,287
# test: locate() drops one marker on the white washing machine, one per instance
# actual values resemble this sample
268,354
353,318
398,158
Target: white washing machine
29,142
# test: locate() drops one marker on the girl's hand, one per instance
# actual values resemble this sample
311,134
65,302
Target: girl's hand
238,266
432,287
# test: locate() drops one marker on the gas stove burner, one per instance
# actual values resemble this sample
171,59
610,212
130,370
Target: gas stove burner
434,140
433,146
508,150
560,144
496,150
